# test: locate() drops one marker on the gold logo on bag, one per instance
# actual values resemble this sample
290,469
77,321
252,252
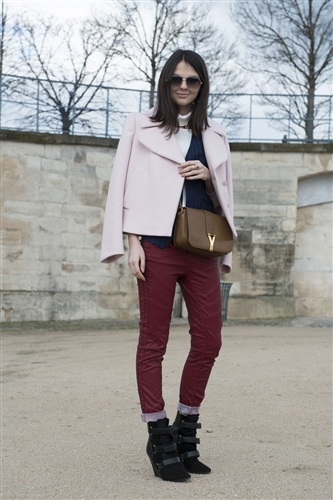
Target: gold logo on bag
211,238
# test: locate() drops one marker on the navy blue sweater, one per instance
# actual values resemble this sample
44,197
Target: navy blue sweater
196,196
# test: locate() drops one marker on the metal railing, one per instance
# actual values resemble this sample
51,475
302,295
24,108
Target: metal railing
53,106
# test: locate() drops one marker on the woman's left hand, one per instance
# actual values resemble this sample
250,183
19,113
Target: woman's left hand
193,170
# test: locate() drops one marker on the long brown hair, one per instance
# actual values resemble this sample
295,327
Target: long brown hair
166,111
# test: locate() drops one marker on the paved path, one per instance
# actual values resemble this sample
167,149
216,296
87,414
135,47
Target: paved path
71,423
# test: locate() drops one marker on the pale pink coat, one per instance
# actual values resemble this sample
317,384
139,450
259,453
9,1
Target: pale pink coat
145,185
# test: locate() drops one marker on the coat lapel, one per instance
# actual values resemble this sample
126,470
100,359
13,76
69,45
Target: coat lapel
155,139
214,144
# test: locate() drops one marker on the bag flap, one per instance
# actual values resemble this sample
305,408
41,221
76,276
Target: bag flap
206,229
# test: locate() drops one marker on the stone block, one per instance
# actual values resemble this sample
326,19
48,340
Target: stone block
241,308
92,240
23,268
61,283
73,284
288,225
23,207
106,284
265,262
76,226
53,224
273,161
95,228
307,265
46,238
260,307
86,285
74,254
52,209
128,285
258,210
15,230
26,253
53,151
314,307
11,236
315,217
14,178
46,283
55,180
23,149
34,162
53,253
80,155
89,255
236,159
51,194
276,238
134,312
92,199
314,162
104,173
275,307
266,191
73,240
316,284
11,254
70,267
313,247
83,212
13,282
259,172
50,165
68,152
291,211
100,158
115,301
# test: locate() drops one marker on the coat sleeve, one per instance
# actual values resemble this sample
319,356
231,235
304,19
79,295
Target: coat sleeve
112,239
225,262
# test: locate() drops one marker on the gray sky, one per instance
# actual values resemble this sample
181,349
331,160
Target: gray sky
82,8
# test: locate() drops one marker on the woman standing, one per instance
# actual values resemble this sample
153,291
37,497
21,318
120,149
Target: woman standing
171,147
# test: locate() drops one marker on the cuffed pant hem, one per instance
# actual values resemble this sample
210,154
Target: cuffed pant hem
153,417
188,410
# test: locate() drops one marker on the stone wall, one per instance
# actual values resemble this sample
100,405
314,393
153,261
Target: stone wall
53,196
313,259
266,188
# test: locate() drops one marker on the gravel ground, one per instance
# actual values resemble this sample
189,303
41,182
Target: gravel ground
71,427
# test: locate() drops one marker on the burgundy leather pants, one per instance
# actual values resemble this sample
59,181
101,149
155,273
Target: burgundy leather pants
200,284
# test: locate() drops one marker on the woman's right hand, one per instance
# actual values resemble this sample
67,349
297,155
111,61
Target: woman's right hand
136,257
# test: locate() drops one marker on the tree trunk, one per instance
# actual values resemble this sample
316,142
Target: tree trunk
66,121
152,94
310,107
2,39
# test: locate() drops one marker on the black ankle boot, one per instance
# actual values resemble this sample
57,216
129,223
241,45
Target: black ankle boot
162,451
186,427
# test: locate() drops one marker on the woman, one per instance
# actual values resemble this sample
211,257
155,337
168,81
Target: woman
173,146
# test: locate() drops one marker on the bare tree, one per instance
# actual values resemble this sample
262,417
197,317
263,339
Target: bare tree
153,30
289,41
220,55
7,33
70,62
4,15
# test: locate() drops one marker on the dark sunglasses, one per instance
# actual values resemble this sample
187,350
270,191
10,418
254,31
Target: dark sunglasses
192,82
